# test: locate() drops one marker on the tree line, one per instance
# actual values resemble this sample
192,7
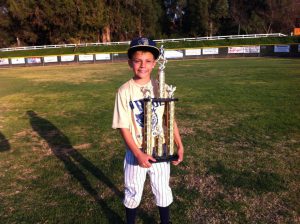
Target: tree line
40,22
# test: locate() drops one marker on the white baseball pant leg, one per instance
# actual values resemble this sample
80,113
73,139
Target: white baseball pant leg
135,176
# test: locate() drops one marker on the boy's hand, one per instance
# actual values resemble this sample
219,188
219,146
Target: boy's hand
143,160
180,156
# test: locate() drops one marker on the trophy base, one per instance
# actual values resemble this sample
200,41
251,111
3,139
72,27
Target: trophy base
165,158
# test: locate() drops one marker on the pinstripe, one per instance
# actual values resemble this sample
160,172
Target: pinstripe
135,177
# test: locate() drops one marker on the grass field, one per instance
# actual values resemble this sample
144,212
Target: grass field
60,161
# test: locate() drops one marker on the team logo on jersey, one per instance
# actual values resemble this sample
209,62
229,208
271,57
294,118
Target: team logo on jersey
139,117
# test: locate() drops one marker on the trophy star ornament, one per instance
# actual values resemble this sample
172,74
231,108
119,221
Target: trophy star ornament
170,91
146,92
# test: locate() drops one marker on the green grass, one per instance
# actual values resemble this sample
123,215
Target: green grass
60,161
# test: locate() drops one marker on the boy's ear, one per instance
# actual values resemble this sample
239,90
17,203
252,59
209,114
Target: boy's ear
130,63
154,63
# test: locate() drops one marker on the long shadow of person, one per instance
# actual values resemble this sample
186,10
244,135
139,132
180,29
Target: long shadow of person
4,144
63,150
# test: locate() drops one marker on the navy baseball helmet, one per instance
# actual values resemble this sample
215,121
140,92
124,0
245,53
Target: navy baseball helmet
143,44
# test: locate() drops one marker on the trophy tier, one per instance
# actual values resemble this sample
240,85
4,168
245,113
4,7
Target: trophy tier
160,151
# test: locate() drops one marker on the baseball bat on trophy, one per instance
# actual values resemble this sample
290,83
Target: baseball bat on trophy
160,142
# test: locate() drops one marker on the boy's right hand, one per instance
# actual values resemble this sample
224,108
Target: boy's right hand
144,160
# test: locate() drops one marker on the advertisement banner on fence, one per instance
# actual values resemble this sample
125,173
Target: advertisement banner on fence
244,50
16,61
174,54
252,50
102,56
206,51
4,61
298,47
282,48
86,57
192,52
235,50
66,58
49,59
34,60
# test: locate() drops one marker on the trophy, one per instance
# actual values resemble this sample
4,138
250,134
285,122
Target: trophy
159,143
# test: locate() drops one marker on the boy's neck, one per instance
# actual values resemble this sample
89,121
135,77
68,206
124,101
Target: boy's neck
141,81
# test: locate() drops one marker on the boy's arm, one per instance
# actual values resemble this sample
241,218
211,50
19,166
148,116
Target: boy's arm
178,142
143,158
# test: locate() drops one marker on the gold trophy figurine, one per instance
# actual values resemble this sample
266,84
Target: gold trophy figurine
160,145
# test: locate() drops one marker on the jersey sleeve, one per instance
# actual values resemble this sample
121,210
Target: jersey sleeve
121,111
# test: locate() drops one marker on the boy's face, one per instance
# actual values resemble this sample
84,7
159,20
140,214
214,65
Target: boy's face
142,64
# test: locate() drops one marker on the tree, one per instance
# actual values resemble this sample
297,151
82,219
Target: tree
90,20
217,10
203,16
174,12
238,13
39,22
18,14
195,17
263,16
131,18
5,37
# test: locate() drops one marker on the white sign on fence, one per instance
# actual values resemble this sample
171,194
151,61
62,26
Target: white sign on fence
102,56
191,52
86,57
16,61
173,54
4,61
65,58
235,50
298,47
244,50
252,50
34,60
282,48
206,51
49,59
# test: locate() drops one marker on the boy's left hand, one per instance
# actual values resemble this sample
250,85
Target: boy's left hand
180,156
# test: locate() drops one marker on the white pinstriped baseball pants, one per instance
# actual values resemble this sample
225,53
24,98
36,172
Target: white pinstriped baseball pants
135,176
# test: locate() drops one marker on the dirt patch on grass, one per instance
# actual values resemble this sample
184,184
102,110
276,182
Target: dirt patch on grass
22,134
187,131
83,146
27,174
34,141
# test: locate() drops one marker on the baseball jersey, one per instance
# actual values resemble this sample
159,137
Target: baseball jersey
129,109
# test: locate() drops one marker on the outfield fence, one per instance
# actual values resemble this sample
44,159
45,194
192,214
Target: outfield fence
287,50
158,41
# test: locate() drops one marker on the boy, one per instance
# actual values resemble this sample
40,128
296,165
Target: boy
129,117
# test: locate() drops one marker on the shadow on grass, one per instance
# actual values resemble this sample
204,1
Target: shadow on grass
4,144
260,182
62,149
